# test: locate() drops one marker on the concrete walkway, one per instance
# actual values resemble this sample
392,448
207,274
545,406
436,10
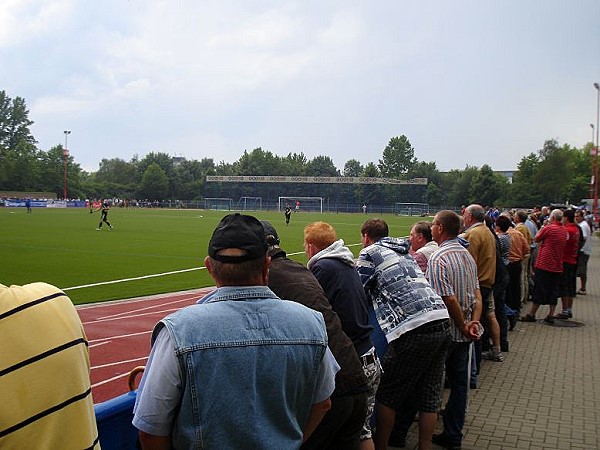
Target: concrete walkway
546,394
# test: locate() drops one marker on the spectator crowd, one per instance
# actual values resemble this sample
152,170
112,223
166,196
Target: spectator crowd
345,353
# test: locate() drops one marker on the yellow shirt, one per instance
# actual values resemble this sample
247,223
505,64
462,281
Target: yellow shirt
45,391
482,247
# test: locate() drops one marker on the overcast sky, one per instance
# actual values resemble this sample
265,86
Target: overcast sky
468,82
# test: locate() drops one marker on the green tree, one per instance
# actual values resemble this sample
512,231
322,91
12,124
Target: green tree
14,123
20,168
294,164
353,168
487,187
258,162
322,166
433,193
155,183
116,178
165,162
461,186
397,159
554,171
369,194
524,192
190,178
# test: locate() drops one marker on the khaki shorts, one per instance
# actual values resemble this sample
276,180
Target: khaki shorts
488,304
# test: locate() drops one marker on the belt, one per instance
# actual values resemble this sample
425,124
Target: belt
432,327
368,359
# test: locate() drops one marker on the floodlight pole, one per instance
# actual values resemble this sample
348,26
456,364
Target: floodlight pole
66,161
595,154
592,162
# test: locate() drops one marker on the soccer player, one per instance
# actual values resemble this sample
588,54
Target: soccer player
104,207
288,214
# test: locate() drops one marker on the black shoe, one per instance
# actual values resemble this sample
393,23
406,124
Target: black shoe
528,318
512,322
442,441
396,441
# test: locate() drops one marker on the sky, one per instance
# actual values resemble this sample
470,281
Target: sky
469,82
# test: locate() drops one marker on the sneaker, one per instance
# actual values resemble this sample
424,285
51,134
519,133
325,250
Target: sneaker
581,292
528,318
97,229
562,316
443,441
493,355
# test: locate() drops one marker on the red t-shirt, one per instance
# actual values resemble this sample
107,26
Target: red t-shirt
572,245
552,239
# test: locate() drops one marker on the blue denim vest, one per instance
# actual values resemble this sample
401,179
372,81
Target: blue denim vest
249,364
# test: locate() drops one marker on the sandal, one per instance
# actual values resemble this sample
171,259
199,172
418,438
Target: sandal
581,292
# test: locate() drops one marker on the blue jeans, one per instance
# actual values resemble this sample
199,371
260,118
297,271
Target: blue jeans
457,371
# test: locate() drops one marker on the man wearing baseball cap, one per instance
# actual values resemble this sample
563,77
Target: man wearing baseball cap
241,368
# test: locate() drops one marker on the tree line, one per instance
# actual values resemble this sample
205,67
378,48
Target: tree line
555,173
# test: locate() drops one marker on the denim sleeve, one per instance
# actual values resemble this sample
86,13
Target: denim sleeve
326,377
160,389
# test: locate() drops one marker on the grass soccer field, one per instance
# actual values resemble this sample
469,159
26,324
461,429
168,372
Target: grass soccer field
149,251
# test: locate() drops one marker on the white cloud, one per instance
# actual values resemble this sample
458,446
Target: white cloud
467,82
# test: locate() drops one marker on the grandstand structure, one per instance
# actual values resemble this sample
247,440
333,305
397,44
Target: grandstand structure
315,193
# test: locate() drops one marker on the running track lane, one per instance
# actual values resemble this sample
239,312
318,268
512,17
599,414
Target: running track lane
119,336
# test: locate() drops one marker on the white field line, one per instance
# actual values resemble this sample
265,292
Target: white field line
123,280
155,275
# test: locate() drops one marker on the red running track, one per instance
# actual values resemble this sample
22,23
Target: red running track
119,336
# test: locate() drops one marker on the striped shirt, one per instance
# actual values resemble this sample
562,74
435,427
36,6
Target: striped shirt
45,393
452,271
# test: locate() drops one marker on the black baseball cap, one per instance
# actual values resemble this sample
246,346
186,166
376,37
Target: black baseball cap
238,231
270,233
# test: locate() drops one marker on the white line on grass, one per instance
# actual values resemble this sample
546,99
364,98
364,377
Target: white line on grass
143,277
155,275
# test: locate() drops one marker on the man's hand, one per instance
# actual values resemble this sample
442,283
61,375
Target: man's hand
471,330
